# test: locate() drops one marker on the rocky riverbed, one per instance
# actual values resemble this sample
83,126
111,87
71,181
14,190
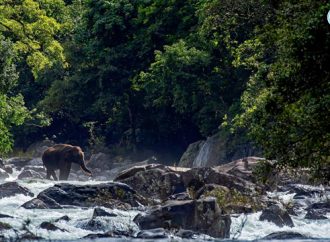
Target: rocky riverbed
158,202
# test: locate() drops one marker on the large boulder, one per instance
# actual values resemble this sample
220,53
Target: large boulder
203,215
108,194
278,215
13,188
242,168
218,149
196,178
29,174
153,181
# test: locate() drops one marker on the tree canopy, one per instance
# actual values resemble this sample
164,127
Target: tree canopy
162,74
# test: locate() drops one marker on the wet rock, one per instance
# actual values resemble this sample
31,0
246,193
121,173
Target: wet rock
5,216
99,212
158,233
108,195
18,162
109,234
4,226
37,203
28,174
186,234
36,168
285,235
303,190
202,215
12,188
3,174
63,218
196,178
28,236
153,181
278,215
50,226
315,215
8,169
317,211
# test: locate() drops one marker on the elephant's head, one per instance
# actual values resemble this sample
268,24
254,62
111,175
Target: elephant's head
77,156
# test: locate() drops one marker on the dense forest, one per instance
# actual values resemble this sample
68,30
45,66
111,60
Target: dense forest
161,74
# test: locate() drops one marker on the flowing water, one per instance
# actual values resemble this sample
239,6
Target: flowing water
244,227
203,155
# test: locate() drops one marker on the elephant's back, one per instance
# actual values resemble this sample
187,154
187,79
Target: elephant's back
50,157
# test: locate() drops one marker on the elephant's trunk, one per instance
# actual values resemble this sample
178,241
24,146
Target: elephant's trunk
85,169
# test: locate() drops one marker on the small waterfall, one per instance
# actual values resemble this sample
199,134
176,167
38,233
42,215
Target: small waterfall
203,155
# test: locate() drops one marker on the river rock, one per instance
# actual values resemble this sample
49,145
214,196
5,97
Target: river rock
196,178
99,212
108,194
285,235
278,215
202,215
50,226
158,233
28,174
317,211
18,162
13,188
8,169
63,218
153,181
5,216
3,174
242,168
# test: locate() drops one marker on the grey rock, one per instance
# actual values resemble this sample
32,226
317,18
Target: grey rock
3,174
158,233
9,189
153,181
28,174
202,215
107,194
278,215
285,235
99,212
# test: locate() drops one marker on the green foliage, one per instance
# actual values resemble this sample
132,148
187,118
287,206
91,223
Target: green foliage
29,25
12,109
286,103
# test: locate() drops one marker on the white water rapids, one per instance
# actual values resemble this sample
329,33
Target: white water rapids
79,217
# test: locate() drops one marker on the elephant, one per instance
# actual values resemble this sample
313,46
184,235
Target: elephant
60,157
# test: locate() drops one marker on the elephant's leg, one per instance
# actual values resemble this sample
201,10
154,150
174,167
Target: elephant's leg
65,171
54,175
48,174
